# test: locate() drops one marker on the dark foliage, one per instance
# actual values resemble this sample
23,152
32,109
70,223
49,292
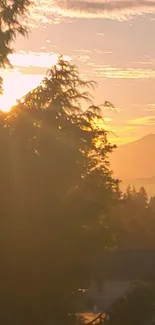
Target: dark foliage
11,15
133,220
56,189
136,308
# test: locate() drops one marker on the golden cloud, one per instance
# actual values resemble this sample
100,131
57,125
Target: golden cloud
53,10
35,59
143,121
110,72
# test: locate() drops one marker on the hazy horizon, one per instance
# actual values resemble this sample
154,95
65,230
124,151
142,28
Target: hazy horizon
134,163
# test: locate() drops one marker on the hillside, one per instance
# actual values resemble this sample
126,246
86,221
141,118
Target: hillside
134,162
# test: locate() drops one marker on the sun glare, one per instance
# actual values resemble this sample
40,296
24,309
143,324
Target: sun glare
33,59
15,86
8,98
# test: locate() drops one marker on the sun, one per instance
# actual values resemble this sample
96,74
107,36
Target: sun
8,98
6,102
16,83
15,86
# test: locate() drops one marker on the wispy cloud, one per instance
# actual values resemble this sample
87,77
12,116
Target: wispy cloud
111,72
143,121
83,51
150,108
82,58
122,134
50,10
100,34
121,140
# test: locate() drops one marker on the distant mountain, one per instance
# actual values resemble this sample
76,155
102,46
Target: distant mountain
135,160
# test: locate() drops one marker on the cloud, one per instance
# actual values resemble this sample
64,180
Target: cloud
82,55
44,60
110,72
83,51
108,52
122,134
150,108
120,140
29,70
51,10
143,121
100,34
32,63
33,59
82,58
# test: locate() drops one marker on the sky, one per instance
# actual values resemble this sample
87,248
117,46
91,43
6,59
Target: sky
111,42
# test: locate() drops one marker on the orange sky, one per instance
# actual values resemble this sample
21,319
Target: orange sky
110,42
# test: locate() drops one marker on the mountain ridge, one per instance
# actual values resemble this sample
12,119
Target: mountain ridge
150,136
135,160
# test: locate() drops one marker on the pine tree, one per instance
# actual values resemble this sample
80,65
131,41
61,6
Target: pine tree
12,14
11,24
59,186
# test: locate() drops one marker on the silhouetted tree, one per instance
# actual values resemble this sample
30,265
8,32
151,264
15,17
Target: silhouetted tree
12,14
137,307
152,204
142,197
56,190
133,220
11,24
130,193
